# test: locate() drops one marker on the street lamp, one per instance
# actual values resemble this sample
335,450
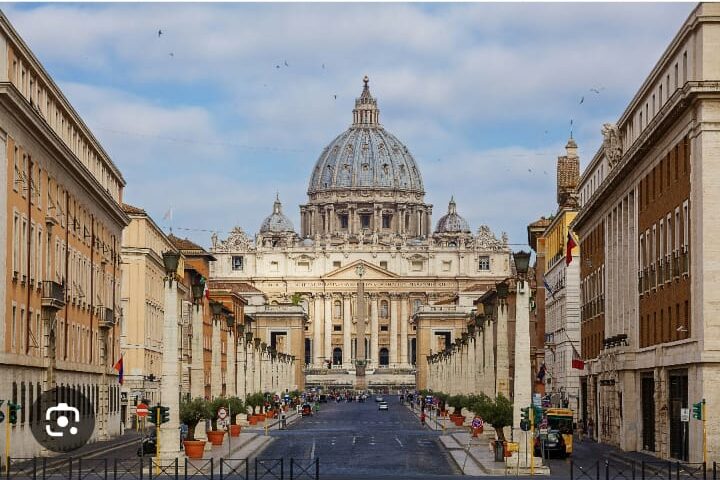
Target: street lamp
230,320
198,289
215,307
522,262
171,260
502,290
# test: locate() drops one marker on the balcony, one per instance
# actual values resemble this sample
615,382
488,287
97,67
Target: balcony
676,265
53,295
685,261
107,317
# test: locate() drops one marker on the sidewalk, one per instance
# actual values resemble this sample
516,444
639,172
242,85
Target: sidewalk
433,422
273,423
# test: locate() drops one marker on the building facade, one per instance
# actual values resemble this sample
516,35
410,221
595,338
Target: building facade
649,236
60,209
365,209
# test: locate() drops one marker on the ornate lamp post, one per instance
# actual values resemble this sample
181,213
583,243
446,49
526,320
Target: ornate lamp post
360,354
170,379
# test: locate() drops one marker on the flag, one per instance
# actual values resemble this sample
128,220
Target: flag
570,245
168,214
547,287
577,361
119,367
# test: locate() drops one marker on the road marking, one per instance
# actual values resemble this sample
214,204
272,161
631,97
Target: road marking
312,451
398,440
354,438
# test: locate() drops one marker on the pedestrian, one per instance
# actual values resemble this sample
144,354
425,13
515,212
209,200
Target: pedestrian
283,422
591,429
422,418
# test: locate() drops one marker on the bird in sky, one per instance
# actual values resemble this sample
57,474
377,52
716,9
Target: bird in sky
582,100
160,32
286,64
323,65
277,66
171,54
597,90
335,96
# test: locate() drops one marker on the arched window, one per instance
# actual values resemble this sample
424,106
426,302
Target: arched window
384,309
337,356
384,357
337,309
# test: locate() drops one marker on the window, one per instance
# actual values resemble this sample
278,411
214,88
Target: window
416,265
383,328
384,309
343,221
677,227
303,266
386,221
669,241
238,262
383,264
337,328
484,263
337,264
274,266
13,340
16,175
416,305
365,221
446,265
686,222
337,309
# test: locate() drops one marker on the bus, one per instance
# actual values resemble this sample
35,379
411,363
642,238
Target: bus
561,419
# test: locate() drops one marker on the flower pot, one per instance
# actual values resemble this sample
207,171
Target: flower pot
194,448
216,436
270,414
252,419
458,420
234,430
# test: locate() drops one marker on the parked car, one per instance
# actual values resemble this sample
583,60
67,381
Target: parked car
382,406
551,444
149,447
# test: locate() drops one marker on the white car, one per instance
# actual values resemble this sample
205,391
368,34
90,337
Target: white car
379,399
382,406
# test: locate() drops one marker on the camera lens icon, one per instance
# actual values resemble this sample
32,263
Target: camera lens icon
66,419
62,420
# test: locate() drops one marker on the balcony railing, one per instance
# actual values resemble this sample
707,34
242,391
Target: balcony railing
676,264
53,295
107,317
685,261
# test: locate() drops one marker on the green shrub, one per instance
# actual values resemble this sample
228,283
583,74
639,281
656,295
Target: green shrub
191,412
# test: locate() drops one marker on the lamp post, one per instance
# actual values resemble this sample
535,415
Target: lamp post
170,380
360,354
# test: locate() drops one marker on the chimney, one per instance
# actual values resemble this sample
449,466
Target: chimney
568,176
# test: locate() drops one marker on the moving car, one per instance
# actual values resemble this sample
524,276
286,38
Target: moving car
382,406
379,398
148,447
551,444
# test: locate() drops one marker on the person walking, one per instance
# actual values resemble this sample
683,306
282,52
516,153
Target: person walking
591,429
422,418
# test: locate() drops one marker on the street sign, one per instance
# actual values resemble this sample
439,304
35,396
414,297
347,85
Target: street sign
477,422
684,414
222,413
141,410
543,431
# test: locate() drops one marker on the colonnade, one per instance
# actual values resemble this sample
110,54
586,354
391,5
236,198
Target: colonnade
396,313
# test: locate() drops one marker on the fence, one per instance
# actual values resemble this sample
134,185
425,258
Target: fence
142,469
655,470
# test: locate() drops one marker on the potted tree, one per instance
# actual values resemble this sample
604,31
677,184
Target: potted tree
499,413
442,401
457,402
191,412
255,400
236,406
215,435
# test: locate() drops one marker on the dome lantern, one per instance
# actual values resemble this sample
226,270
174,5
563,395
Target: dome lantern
366,112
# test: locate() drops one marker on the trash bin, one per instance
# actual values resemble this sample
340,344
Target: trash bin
499,451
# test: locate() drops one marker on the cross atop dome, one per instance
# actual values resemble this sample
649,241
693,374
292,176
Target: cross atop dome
366,112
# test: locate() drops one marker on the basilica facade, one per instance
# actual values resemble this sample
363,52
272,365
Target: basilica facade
365,233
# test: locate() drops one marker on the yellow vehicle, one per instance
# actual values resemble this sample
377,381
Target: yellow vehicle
561,419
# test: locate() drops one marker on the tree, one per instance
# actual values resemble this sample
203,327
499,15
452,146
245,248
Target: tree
255,400
235,405
457,402
497,412
191,412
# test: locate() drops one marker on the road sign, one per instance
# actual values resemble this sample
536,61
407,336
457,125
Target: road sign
141,410
684,414
222,413
477,422
543,431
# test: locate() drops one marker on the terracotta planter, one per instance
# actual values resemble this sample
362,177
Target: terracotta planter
252,420
234,430
443,413
260,418
270,414
457,420
194,448
216,436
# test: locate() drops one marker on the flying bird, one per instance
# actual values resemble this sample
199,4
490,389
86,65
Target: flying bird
171,54
160,32
597,90
323,65
335,96
582,100
286,64
277,66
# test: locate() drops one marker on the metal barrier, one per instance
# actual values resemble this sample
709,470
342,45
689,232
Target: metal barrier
309,469
61,470
204,469
271,468
235,468
617,471
690,471
22,468
660,470
128,469
92,469
157,469
589,472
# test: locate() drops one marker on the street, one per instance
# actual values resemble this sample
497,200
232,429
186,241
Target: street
356,440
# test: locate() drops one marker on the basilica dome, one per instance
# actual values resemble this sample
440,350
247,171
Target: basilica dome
277,222
452,222
366,156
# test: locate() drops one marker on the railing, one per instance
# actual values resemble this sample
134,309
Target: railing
685,261
53,295
676,265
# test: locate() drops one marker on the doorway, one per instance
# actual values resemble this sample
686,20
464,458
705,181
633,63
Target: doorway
337,356
648,412
384,357
678,429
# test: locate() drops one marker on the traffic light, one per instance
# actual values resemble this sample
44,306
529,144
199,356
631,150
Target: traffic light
525,419
12,410
164,414
698,410
153,415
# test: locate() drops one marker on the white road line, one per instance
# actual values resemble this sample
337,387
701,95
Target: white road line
354,438
312,451
398,440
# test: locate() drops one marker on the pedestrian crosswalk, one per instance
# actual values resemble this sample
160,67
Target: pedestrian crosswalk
327,422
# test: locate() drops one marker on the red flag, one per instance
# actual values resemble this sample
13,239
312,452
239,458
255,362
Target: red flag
570,245
577,361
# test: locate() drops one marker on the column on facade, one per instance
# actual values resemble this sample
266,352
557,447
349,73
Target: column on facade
327,320
215,366
374,330
257,370
347,326
502,384
400,221
232,364
241,367
318,328
393,330
404,319
197,369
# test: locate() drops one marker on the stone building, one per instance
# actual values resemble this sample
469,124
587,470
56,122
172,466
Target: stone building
562,290
648,229
60,208
366,209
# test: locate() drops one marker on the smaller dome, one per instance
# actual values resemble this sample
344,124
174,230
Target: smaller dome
452,222
277,222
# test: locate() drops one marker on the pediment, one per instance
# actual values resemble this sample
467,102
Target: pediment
372,272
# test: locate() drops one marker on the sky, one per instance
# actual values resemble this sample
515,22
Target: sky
210,109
